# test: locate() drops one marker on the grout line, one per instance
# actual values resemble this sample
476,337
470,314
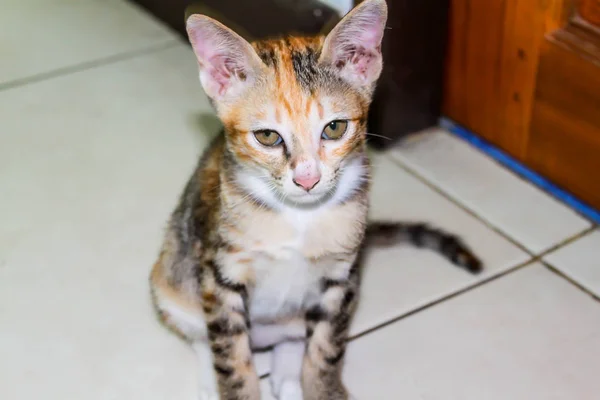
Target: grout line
458,203
578,285
521,170
518,267
534,259
483,282
444,298
435,302
401,164
567,241
431,304
87,65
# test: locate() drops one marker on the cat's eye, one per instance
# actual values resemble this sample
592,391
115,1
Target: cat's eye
334,130
268,137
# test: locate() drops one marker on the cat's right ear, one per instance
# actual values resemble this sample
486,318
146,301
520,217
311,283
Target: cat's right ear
228,63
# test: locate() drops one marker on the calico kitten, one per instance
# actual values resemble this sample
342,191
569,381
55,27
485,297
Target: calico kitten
262,249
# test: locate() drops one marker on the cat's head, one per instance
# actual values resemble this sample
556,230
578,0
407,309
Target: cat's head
294,109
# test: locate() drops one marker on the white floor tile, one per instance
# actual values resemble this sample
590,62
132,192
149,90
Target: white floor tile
91,165
38,36
399,279
521,210
580,261
529,335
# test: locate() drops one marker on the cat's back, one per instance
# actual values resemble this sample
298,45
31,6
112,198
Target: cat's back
195,214
192,221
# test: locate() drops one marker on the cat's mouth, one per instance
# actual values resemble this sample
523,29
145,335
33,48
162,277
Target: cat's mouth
311,199
307,200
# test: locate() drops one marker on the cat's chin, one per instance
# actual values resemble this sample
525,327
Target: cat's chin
307,200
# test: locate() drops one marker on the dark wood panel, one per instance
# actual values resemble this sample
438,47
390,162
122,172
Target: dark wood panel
473,64
256,18
579,37
565,131
589,10
492,64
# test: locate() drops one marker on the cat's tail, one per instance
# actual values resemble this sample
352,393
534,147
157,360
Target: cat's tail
385,234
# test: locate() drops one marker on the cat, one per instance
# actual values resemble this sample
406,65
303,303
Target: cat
262,250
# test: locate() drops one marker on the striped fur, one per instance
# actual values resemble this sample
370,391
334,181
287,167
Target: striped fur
422,235
253,259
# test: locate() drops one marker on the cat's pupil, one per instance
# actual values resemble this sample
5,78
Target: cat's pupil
267,133
333,125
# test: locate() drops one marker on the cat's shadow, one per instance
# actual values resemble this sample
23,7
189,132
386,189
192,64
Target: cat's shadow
206,125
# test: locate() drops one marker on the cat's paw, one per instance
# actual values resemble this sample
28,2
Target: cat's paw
208,394
286,388
290,390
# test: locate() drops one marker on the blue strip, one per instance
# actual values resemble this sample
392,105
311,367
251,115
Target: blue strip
514,165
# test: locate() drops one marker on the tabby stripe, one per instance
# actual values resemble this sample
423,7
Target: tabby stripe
222,327
316,314
335,359
223,370
222,350
268,57
341,323
348,297
327,283
422,235
237,385
449,246
226,282
416,233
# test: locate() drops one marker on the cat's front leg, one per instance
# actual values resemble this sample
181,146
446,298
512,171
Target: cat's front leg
225,308
327,330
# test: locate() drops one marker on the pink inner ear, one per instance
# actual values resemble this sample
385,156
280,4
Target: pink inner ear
220,80
219,70
362,60
219,55
354,45
358,38
370,37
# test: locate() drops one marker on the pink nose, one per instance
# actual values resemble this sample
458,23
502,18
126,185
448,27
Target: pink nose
307,182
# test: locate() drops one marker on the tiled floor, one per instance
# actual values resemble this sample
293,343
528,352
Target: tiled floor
101,120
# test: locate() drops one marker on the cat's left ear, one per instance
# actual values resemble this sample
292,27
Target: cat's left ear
228,63
353,47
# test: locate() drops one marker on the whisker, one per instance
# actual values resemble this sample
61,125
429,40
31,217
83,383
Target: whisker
380,136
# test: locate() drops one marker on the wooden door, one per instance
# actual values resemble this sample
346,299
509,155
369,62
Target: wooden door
525,75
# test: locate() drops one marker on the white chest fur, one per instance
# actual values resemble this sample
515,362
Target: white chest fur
287,280
284,286
290,252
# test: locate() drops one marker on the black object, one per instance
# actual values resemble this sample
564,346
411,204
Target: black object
409,93
256,19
